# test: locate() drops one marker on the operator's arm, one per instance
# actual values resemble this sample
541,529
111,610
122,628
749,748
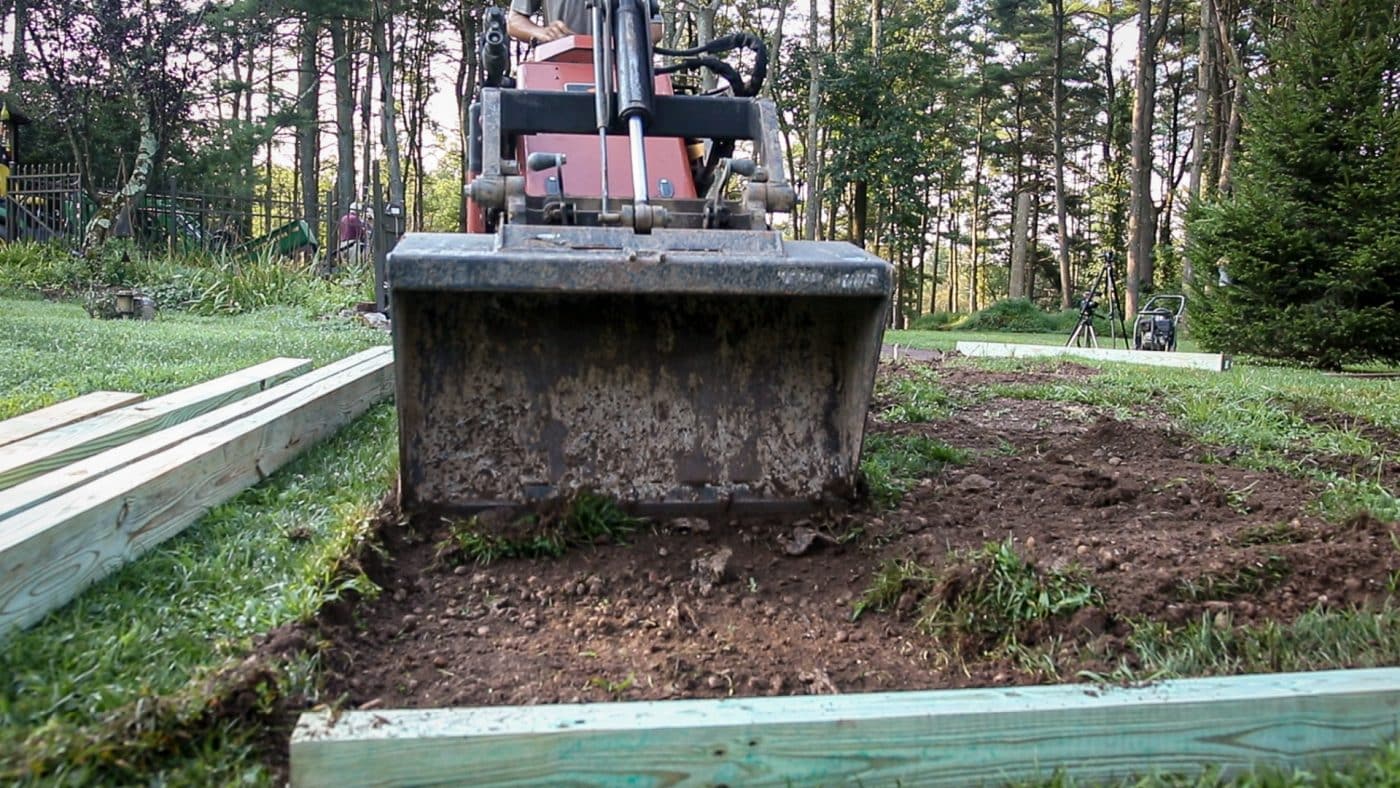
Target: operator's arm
523,28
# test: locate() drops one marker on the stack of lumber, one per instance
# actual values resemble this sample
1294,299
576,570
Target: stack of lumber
90,484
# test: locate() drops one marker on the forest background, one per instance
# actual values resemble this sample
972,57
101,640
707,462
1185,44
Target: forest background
912,127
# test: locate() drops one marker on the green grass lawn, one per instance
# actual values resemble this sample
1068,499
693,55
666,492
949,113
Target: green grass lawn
54,351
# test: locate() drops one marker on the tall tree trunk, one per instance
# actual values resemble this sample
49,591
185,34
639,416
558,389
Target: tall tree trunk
1235,118
383,38
937,249
99,227
705,31
775,46
1200,145
867,122
952,260
417,73
1141,216
813,208
19,55
308,131
1057,133
271,147
344,116
974,224
1201,138
1017,287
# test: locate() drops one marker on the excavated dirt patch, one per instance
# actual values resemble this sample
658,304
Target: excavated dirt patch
696,609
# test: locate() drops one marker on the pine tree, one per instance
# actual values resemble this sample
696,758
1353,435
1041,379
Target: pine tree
1310,238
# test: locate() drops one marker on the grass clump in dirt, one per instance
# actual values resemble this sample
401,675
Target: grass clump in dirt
988,596
1320,639
586,519
893,463
1268,533
1249,579
915,398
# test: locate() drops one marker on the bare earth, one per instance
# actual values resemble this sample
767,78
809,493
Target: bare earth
695,609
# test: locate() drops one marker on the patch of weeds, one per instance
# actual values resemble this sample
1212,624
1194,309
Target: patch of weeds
587,519
892,463
1238,499
1040,660
1249,579
892,579
617,688
990,594
1319,639
916,398
1343,498
1267,533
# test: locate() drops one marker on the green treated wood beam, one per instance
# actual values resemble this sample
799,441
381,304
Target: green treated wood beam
63,413
49,485
27,458
944,737
50,552
1214,362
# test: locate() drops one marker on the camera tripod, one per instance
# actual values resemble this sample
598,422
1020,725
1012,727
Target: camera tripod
1084,334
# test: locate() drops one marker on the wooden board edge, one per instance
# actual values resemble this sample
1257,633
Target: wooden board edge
61,414
951,737
1212,362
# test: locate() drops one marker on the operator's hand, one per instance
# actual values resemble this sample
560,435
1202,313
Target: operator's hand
553,31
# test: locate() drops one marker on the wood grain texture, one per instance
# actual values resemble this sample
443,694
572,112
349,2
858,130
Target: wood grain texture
946,737
27,458
1214,362
49,485
63,413
52,551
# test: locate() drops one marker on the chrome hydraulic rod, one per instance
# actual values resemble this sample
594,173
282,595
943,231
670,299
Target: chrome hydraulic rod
639,160
602,90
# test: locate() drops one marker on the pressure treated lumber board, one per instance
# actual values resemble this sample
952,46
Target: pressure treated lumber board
27,458
63,413
1214,362
49,485
52,551
953,737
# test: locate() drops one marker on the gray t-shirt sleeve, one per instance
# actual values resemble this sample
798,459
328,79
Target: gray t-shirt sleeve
526,7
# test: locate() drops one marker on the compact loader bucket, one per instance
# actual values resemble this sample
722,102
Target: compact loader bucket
685,371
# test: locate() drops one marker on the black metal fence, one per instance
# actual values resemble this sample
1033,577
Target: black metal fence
44,202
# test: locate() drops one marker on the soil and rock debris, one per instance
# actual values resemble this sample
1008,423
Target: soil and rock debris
1142,514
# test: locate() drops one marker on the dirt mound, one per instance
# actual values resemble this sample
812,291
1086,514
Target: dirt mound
1134,510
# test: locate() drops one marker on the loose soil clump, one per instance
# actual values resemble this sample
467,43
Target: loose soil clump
1132,520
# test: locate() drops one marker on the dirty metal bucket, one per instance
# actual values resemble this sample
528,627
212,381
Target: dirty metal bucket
687,371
